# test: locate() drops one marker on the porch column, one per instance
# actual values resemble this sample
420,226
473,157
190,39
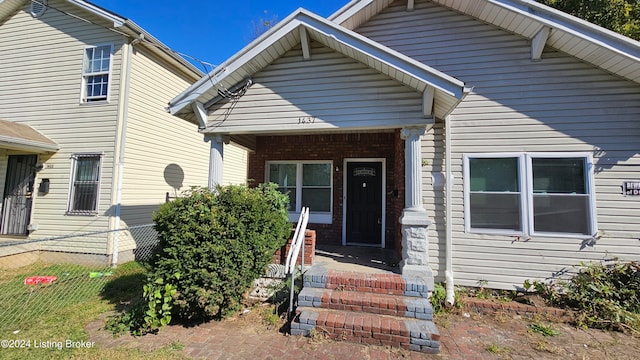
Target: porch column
216,153
414,219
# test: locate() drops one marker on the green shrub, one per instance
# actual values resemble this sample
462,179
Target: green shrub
438,298
605,296
219,242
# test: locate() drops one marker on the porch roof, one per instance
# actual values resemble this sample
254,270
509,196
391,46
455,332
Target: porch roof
442,92
23,137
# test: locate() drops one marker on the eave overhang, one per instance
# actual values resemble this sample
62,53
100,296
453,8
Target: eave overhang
541,24
142,37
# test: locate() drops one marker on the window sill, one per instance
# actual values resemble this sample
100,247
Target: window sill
92,103
81,213
563,235
525,235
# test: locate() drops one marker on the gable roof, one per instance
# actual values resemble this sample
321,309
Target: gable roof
539,23
293,30
122,25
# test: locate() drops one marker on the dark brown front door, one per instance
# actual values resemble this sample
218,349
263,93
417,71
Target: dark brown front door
18,194
364,203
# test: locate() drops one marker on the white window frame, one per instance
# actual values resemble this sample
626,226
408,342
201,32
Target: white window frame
84,98
315,217
525,181
72,180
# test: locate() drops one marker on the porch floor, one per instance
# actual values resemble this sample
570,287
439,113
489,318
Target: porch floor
357,259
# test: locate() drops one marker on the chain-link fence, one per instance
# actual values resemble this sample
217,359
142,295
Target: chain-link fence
35,280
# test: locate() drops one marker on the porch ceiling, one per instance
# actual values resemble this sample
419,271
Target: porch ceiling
15,136
445,91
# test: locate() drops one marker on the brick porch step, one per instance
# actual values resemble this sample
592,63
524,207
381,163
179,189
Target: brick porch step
373,329
380,309
367,302
390,284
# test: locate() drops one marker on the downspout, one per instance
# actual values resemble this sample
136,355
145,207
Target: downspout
450,291
123,140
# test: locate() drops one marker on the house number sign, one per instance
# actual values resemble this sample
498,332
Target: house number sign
306,120
631,188
363,171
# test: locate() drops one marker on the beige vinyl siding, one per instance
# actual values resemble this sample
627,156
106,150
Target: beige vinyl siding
333,89
157,143
41,68
558,104
8,7
234,170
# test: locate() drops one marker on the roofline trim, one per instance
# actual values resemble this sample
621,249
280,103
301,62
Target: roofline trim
555,18
328,29
28,144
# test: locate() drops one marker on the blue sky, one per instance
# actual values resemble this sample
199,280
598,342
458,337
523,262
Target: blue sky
211,31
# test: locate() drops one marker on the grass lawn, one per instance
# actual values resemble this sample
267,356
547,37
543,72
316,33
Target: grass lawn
40,318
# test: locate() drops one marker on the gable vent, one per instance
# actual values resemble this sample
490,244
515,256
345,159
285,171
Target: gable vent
38,7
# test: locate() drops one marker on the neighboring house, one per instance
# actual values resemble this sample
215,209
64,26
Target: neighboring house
531,114
86,143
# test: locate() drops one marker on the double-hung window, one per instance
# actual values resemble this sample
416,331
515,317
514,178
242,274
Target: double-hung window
85,184
96,68
530,194
308,183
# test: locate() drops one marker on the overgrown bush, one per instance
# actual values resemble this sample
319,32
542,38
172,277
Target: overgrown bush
605,296
219,242
213,245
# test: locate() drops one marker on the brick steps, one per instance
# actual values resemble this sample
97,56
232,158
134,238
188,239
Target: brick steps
367,302
390,284
372,329
378,309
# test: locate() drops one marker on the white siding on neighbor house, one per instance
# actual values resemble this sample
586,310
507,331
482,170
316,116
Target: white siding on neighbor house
9,7
40,72
334,90
162,153
558,104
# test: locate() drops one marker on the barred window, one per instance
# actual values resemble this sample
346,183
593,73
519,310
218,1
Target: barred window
85,184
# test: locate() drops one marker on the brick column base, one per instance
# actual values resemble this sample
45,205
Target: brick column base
280,257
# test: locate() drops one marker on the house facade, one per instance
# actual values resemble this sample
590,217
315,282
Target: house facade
86,144
487,142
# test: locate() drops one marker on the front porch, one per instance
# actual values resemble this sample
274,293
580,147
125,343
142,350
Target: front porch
360,259
353,183
357,294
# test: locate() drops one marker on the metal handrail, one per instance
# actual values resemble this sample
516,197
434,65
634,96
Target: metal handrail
296,243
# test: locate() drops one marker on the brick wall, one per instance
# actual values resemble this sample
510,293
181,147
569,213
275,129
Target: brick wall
399,181
336,147
280,257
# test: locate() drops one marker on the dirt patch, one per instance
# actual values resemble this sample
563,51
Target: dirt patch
502,334
465,334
